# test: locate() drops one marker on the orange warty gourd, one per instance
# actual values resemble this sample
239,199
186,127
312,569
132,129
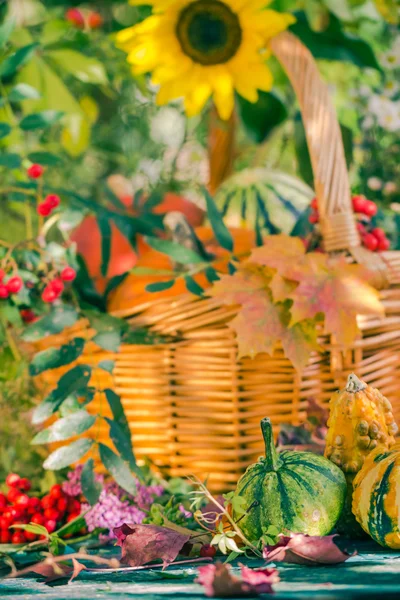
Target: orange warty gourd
360,419
132,291
376,496
123,258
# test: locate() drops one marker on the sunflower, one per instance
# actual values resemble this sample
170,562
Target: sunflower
196,49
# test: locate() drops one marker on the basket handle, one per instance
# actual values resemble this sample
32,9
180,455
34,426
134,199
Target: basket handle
325,143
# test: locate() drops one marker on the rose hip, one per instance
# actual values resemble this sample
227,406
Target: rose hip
13,494
3,501
50,525
62,504
57,286
12,480
37,518
18,537
43,209
22,501
56,491
24,484
5,522
68,274
30,537
53,200
4,293
49,295
35,171
52,514
208,551
5,536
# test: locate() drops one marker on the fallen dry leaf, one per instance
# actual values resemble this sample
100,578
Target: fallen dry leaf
309,550
141,544
260,324
284,253
218,581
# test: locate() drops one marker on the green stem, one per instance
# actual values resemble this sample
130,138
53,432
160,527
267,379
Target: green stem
271,455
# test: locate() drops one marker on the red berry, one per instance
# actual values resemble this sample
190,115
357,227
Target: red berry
313,218
5,522
24,484
73,516
53,200
48,294
2,274
56,285
16,512
74,506
22,501
34,502
3,501
383,244
314,203
68,274
37,518
379,233
47,502
56,491
18,537
5,536
50,525
74,16
4,293
43,209
13,494
14,285
359,203
27,315
52,513
30,537
361,228
35,171
370,242
22,520
208,551
12,480
62,505
95,20
370,208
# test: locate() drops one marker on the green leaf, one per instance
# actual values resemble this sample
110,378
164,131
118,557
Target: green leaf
6,30
262,117
10,161
117,410
91,489
12,63
334,43
84,68
160,286
56,321
192,286
52,358
44,158
74,380
67,455
176,252
122,443
5,130
105,232
109,330
118,469
302,153
65,428
40,120
107,365
221,232
72,527
108,340
76,133
23,91
32,528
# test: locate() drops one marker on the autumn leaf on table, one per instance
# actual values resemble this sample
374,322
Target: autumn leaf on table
53,571
261,324
142,544
309,550
219,582
338,290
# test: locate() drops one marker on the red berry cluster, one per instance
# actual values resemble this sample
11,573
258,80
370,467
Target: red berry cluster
373,239
46,207
17,507
77,19
12,286
55,287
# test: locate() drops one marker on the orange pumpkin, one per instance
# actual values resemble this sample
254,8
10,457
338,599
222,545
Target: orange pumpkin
132,291
123,258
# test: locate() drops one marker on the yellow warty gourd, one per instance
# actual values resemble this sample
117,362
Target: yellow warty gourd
360,419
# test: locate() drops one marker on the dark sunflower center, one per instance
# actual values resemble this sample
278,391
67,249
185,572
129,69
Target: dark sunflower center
209,32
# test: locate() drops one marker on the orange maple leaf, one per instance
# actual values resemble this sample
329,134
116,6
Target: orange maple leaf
284,253
339,291
261,325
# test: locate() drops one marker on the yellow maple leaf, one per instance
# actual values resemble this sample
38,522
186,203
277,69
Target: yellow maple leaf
261,325
339,291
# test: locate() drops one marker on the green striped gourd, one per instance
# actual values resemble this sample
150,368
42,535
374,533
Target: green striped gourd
297,492
360,418
376,497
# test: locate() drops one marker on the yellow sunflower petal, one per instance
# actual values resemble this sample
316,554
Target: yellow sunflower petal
222,85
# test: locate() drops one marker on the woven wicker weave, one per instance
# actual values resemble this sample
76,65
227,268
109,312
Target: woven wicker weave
193,407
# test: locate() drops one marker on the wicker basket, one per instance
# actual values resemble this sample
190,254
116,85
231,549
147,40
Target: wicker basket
193,406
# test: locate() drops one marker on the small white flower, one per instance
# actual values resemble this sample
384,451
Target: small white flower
395,206
391,88
168,127
192,163
391,59
364,91
390,188
374,183
151,168
368,122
